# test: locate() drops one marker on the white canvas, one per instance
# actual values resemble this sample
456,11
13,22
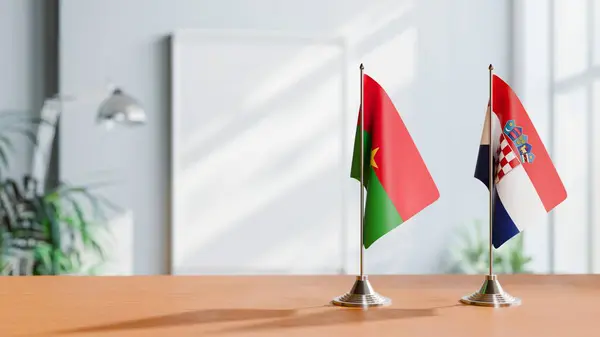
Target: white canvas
261,135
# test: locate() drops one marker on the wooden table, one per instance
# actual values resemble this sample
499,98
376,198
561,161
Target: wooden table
289,306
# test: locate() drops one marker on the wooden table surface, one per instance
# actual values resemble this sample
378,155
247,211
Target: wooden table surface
292,306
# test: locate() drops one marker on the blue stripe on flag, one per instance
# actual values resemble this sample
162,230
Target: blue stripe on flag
482,168
504,227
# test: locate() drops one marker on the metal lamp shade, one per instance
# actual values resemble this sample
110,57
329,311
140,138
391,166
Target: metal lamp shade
122,109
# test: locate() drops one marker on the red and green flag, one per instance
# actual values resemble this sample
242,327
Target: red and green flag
397,182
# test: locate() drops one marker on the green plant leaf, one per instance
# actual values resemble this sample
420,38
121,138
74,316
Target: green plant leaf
97,202
4,158
5,141
16,123
6,147
43,254
29,134
64,213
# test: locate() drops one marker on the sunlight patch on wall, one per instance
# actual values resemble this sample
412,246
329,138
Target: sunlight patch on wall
394,64
571,46
375,17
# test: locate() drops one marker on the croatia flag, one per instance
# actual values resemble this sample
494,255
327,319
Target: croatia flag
526,185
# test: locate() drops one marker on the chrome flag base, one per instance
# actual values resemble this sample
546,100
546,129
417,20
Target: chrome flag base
361,295
491,294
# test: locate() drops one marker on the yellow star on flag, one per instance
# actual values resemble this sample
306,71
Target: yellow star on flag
373,152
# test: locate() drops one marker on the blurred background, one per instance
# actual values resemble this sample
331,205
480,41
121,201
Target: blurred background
238,160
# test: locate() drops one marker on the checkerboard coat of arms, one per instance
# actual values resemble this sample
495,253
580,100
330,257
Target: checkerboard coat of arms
506,159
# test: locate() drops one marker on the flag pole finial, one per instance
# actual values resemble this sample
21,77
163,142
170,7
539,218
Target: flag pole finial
362,67
491,67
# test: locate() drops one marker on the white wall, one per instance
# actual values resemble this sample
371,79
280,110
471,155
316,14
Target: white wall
430,55
23,69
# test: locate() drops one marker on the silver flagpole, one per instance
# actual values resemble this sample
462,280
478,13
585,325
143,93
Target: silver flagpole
362,293
362,168
491,293
491,171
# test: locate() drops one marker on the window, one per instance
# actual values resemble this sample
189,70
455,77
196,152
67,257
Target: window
557,76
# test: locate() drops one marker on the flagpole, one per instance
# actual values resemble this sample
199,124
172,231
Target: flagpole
362,294
362,168
491,294
491,171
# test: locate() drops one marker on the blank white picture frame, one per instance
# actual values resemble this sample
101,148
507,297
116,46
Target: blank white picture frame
261,136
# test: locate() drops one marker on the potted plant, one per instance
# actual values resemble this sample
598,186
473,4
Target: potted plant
53,232
471,255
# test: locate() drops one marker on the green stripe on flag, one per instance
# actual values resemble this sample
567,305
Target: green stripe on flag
355,170
381,215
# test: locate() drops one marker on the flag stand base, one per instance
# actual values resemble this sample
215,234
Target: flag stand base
491,294
361,295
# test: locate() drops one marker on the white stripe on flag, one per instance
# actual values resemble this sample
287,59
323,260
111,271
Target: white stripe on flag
496,130
520,199
485,133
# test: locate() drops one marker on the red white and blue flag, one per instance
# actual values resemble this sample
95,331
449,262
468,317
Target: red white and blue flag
526,184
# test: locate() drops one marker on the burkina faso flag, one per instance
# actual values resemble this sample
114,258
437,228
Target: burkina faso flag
397,182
